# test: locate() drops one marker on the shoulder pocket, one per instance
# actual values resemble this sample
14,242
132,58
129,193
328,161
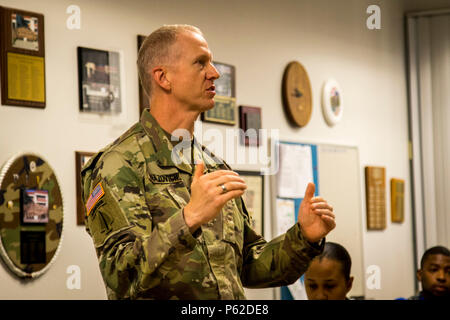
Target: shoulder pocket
106,219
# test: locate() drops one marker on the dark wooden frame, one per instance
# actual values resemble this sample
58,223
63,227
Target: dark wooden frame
143,98
80,207
207,115
256,174
244,125
7,47
80,52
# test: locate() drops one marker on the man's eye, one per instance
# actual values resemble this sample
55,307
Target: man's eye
313,286
330,286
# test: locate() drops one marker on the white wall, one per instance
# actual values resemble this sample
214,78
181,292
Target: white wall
328,37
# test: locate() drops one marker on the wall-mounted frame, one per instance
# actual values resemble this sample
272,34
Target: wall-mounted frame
375,197
81,158
224,110
22,58
254,198
99,81
30,228
397,200
250,118
143,99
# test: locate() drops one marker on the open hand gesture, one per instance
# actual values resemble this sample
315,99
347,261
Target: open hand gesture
315,216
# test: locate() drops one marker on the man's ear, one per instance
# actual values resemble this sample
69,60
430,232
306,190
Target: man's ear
159,75
349,284
419,275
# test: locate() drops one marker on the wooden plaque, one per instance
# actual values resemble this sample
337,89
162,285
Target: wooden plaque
296,92
375,197
22,58
397,200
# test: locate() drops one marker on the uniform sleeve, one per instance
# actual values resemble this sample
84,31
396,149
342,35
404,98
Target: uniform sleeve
130,248
278,262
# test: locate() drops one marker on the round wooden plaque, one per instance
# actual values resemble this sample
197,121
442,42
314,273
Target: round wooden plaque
297,96
31,215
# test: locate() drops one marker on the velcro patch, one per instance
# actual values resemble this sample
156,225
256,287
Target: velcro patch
96,194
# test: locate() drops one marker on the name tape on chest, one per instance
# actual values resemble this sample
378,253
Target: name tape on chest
165,178
95,196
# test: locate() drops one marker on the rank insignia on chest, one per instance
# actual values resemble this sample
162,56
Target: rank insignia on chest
165,178
95,196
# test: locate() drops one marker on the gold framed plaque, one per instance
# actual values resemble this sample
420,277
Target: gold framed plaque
224,110
22,58
397,200
375,197
296,93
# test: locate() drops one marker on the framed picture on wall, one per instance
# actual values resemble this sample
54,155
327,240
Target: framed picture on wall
143,99
81,158
34,206
250,123
224,110
99,81
254,198
22,58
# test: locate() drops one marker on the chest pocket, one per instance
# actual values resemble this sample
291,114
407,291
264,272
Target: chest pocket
167,201
233,226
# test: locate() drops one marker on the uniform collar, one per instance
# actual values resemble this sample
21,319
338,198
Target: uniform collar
164,148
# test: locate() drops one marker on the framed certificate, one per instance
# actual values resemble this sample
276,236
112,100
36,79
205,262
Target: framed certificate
254,198
224,110
22,58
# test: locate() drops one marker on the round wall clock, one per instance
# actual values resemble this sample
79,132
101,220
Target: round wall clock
31,215
332,103
296,91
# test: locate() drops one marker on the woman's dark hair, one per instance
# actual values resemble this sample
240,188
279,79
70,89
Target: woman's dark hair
336,252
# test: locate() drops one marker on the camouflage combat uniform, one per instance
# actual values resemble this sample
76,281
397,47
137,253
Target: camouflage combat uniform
143,244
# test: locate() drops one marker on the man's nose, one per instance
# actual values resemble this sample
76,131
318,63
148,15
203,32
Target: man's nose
441,275
321,295
213,74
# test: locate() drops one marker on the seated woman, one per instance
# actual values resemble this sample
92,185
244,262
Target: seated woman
328,275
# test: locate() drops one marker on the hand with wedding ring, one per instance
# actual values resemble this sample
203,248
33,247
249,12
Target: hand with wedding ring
209,193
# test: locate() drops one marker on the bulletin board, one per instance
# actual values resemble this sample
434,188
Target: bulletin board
336,173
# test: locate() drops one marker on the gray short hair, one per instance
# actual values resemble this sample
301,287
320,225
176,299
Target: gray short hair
155,51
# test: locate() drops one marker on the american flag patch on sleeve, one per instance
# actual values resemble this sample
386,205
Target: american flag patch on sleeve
96,194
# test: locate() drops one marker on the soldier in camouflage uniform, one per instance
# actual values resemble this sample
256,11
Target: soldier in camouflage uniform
164,229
